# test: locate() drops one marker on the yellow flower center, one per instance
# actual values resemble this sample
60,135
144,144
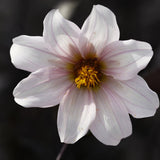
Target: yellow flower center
87,72
87,76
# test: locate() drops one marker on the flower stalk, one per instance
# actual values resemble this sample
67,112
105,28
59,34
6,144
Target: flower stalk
59,156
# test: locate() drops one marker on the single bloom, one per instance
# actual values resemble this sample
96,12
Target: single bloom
89,72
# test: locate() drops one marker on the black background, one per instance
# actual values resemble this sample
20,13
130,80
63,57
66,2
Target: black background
31,134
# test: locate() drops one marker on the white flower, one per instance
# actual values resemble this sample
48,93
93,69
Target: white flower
89,72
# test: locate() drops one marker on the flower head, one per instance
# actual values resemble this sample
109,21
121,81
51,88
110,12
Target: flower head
89,72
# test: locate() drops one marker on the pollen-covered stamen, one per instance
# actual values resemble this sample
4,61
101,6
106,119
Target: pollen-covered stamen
87,76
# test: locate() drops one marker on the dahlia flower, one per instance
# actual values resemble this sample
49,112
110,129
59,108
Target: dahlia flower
89,72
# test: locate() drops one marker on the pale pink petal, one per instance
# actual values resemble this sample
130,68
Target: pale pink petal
43,88
112,121
124,59
100,28
61,34
30,53
139,99
76,113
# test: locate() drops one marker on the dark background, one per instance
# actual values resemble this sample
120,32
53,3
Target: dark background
31,134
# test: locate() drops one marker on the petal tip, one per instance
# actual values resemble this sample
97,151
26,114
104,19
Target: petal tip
67,141
114,142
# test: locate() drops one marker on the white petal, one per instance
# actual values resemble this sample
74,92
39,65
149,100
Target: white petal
61,34
43,88
139,99
100,28
76,113
124,59
30,53
112,121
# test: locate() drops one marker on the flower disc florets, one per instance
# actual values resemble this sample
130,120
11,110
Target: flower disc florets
87,73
